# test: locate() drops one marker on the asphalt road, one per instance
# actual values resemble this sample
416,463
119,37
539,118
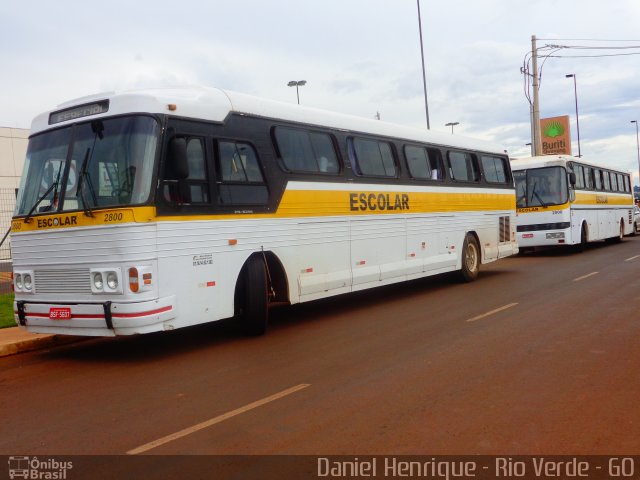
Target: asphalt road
539,356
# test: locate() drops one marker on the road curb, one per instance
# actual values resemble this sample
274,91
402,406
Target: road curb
36,343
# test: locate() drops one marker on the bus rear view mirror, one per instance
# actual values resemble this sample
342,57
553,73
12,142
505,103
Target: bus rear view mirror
177,163
572,178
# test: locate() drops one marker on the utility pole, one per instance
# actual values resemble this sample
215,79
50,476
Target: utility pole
536,138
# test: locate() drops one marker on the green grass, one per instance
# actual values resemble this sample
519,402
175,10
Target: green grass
6,311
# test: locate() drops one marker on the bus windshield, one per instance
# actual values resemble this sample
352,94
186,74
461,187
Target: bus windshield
99,164
541,187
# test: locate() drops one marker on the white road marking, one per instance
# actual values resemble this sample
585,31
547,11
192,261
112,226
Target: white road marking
215,420
585,276
632,258
492,312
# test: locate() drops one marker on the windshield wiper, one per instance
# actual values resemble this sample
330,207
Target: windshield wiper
53,186
27,219
97,127
535,194
80,191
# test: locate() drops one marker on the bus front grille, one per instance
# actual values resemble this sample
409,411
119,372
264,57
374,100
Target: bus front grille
71,280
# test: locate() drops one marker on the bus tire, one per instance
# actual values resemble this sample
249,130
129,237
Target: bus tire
579,247
470,259
620,236
254,298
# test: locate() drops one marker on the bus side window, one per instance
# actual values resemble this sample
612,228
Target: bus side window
606,185
187,184
424,163
579,177
240,178
598,175
463,167
435,162
306,151
417,162
372,157
495,169
591,183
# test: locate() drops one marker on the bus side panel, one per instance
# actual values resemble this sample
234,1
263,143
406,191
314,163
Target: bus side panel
324,256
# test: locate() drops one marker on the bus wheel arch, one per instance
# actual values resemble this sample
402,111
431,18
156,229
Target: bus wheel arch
471,257
262,280
620,236
584,237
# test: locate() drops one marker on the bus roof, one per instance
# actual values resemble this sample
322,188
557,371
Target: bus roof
522,163
213,104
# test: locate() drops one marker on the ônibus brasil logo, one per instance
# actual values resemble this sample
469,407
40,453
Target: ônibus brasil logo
34,468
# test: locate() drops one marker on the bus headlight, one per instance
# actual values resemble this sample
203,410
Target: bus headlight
112,280
106,280
23,281
28,282
98,282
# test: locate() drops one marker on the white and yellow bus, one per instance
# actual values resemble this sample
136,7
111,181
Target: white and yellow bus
152,210
564,200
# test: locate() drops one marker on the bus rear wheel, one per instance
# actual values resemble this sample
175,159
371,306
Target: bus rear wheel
620,236
253,297
470,259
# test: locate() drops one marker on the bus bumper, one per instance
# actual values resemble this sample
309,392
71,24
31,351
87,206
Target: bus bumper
105,319
542,238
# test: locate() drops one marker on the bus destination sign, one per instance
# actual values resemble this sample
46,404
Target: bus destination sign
79,112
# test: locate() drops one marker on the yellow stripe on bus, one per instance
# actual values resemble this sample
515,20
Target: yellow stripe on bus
602,199
295,203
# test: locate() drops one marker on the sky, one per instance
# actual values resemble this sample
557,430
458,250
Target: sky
360,57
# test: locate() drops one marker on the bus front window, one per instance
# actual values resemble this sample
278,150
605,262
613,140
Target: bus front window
97,164
541,187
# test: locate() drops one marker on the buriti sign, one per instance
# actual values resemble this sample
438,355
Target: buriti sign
555,135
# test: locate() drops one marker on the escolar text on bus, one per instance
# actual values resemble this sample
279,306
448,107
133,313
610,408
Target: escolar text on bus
378,201
57,222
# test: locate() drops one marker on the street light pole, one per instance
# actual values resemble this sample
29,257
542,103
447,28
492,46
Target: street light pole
575,92
638,144
451,124
424,75
298,83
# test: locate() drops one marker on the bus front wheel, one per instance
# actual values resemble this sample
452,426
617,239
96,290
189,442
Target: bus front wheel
470,259
253,297
584,238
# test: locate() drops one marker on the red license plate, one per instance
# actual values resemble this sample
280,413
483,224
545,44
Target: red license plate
56,313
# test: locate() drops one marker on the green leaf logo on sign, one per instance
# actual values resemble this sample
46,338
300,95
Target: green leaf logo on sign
553,129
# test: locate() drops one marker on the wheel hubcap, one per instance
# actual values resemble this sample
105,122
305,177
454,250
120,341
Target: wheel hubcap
472,257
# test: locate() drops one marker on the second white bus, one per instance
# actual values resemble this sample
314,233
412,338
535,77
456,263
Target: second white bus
564,200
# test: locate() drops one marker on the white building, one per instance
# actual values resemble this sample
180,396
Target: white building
13,148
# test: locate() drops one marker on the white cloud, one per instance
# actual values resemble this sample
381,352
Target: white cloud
358,56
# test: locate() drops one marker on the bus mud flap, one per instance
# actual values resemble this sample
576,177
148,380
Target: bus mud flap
22,316
107,315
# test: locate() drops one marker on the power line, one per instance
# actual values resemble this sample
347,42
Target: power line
593,56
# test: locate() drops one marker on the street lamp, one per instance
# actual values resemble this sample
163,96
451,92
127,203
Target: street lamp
424,75
638,144
575,92
451,124
298,83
